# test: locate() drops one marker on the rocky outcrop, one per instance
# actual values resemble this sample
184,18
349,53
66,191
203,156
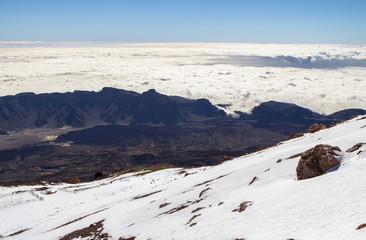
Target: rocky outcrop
312,129
315,127
316,161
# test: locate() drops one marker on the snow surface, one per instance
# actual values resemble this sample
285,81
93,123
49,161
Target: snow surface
236,74
330,206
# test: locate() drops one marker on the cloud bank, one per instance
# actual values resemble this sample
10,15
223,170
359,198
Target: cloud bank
324,78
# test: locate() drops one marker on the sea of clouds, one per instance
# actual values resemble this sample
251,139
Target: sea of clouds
324,78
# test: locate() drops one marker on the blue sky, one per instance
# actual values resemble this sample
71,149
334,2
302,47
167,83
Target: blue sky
260,21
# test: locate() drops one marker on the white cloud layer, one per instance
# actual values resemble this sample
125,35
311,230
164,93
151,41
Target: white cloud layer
236,74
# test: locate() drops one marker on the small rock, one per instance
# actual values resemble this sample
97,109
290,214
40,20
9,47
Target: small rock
315,127
163,205
295,135
243,206
98,175
355,147
73,180
361,226
255,178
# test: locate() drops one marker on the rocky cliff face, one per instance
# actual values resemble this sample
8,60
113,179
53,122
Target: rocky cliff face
83,109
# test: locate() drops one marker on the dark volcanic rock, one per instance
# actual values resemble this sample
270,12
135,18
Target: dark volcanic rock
98,175
3,132
273,111
316,161
347,113
83,108
284,112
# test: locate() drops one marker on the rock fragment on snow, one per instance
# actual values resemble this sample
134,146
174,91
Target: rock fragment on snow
355,147
315,127
243,206
316,161
363,225
255,178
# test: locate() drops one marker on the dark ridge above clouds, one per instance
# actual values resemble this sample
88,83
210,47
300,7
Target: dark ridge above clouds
108,106
116,106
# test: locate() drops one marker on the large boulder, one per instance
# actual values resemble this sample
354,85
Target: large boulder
316,161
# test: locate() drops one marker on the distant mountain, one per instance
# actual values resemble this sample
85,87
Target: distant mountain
108,106
273,111
116,106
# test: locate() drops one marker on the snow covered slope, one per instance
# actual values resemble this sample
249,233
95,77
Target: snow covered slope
198,203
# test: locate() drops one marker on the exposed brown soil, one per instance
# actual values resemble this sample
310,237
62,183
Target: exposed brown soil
94,231
146,195
208,181
78,219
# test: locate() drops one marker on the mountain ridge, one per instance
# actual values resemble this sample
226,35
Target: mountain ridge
116,106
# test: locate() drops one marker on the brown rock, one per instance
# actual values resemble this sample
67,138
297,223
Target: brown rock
315,127
225,158
163,205
316,161
243,206
355,147
255,178
361,226
295,135
73,180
